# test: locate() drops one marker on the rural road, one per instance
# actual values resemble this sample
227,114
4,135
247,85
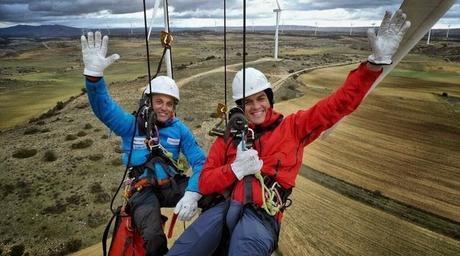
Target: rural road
276,85
184,81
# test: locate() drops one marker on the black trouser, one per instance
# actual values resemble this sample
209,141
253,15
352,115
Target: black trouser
144,207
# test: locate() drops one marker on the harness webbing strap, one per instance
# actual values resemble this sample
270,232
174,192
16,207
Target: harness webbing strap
247,189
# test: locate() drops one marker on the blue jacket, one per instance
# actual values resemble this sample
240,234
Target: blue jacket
175,137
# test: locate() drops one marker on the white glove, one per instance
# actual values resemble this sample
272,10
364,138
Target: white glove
386,42
94,51
247,162
187,205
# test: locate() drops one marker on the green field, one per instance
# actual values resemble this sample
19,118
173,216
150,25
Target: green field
36,79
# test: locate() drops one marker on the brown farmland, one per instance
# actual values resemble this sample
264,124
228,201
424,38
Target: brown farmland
402,141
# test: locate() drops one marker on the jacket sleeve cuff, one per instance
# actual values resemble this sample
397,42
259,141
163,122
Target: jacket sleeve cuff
98,87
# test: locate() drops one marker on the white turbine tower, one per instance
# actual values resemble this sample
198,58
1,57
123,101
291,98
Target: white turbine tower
277,14
447,34
429,37
167,57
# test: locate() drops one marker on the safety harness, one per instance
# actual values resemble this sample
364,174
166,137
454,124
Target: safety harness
275,198
145,122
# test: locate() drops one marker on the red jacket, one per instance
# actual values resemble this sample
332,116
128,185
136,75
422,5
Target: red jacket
281,148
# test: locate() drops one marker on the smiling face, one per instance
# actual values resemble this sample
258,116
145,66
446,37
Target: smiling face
163,106
256,107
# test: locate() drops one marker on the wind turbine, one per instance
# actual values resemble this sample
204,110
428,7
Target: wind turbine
316,27
447,34
167,58
277,14
429,37
351,28
108,29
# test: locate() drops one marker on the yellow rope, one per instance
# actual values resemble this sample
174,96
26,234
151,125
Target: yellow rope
270,205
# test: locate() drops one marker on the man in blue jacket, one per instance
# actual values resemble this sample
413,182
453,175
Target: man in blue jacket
157,180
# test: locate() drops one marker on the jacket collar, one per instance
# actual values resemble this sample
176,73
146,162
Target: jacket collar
270,118
170,122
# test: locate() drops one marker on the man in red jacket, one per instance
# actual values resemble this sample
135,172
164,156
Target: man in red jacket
257,181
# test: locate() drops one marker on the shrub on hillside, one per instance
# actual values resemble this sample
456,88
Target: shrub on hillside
71,137
31,130
25,153
82,105
17,250
102,197
116,162
82,144
50,156
75,199
72,245
60,105
57,208
45,130
96,188
95,219
95,157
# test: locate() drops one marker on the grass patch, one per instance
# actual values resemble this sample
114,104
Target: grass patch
444,77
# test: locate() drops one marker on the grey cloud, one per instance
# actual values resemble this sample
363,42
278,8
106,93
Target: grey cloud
24,11
335,4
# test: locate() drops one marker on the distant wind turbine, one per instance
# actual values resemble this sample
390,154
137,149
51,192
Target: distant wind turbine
108,29
351,28
429,37
316,27
277,14
447,34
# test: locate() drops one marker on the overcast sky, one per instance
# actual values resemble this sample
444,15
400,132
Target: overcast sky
198,13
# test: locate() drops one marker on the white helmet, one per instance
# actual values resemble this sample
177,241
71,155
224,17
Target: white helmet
256,82
163,85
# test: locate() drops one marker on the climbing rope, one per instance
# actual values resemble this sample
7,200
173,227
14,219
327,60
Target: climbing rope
244,55
225,60
166,41
271,199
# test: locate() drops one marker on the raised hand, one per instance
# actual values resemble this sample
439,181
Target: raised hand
94,50
385,44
